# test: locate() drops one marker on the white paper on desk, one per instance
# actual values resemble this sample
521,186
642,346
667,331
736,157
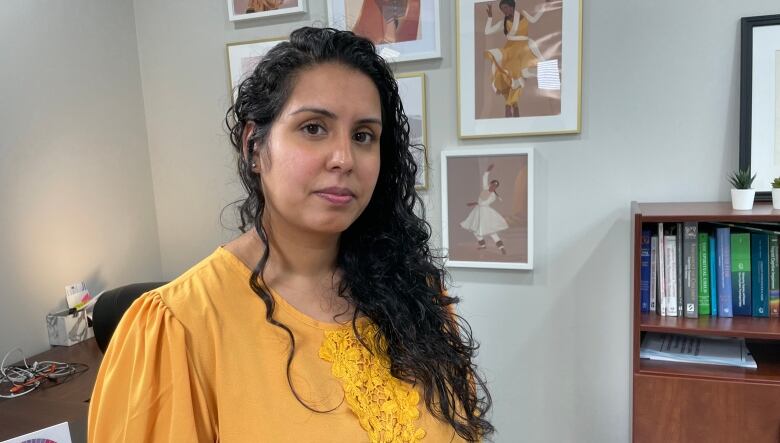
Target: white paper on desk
55,434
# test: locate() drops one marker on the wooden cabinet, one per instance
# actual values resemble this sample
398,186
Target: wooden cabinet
682,410
674,402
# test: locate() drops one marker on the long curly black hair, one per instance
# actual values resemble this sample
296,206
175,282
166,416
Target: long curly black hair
389,273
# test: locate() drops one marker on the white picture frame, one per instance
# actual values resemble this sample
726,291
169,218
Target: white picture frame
542,98
242,57
347,14
471,212
412,89
287,7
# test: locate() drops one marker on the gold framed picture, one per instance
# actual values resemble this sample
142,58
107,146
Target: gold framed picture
243,57
411,88
518,67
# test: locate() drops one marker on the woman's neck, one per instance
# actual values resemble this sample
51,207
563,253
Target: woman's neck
301,268
300,254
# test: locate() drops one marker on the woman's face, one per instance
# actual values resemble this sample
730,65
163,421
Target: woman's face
507,9
320,164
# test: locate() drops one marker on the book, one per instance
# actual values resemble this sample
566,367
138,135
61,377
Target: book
690,284
713,276
774,275
725,351
644,271
723,271
759,258
653,272
769,228
680,269
703,275
661,302
670,271
741,274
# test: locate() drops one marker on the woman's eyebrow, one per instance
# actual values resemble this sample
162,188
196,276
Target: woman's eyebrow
321,111
325,113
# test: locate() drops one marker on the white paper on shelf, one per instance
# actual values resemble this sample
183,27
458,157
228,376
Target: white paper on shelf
724,351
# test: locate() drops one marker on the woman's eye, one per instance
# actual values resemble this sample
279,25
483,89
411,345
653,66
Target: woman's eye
364,137
313,129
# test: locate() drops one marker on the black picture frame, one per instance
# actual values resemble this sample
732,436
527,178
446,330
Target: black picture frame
748,24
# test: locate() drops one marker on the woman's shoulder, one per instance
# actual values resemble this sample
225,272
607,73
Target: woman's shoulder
204,287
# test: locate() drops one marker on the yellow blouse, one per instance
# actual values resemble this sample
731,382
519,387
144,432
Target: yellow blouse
196,361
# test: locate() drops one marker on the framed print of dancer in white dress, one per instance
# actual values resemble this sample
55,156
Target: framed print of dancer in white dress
487,211
484,220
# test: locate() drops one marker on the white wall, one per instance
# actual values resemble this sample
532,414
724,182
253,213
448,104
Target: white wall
76,200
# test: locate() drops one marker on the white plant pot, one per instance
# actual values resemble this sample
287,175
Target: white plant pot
776,198
742,199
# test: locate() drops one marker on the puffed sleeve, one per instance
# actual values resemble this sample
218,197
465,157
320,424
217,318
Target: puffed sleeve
147,388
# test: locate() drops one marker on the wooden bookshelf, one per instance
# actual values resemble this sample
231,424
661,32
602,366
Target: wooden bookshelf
714,392
768,370
748,327
704,212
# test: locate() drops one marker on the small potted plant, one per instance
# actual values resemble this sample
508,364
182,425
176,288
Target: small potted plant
776,193
741,194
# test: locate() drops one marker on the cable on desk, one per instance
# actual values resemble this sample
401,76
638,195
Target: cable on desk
19,380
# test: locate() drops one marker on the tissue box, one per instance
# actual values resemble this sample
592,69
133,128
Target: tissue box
68,329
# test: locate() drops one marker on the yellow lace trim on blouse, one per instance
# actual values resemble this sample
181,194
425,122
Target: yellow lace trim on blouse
385,406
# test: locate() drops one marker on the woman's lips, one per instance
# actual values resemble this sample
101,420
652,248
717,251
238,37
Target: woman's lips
337,196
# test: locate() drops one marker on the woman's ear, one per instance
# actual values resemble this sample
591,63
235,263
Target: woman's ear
250,155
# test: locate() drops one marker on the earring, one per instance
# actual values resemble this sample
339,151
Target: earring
254,165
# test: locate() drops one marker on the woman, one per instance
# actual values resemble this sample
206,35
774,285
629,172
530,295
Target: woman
512,64
327,319
483,220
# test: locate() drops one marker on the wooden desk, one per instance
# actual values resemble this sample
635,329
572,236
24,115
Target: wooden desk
68,401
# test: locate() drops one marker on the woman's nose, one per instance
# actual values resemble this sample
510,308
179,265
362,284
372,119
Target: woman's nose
341,154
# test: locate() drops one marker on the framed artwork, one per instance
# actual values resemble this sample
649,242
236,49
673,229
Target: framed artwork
411,88
251,9
243,57
487,208
518,67
403,30
759,111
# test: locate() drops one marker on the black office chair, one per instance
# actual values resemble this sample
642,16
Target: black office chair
111,306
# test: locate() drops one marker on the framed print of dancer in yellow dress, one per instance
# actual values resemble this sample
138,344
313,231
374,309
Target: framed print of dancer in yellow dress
518,67
516,61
